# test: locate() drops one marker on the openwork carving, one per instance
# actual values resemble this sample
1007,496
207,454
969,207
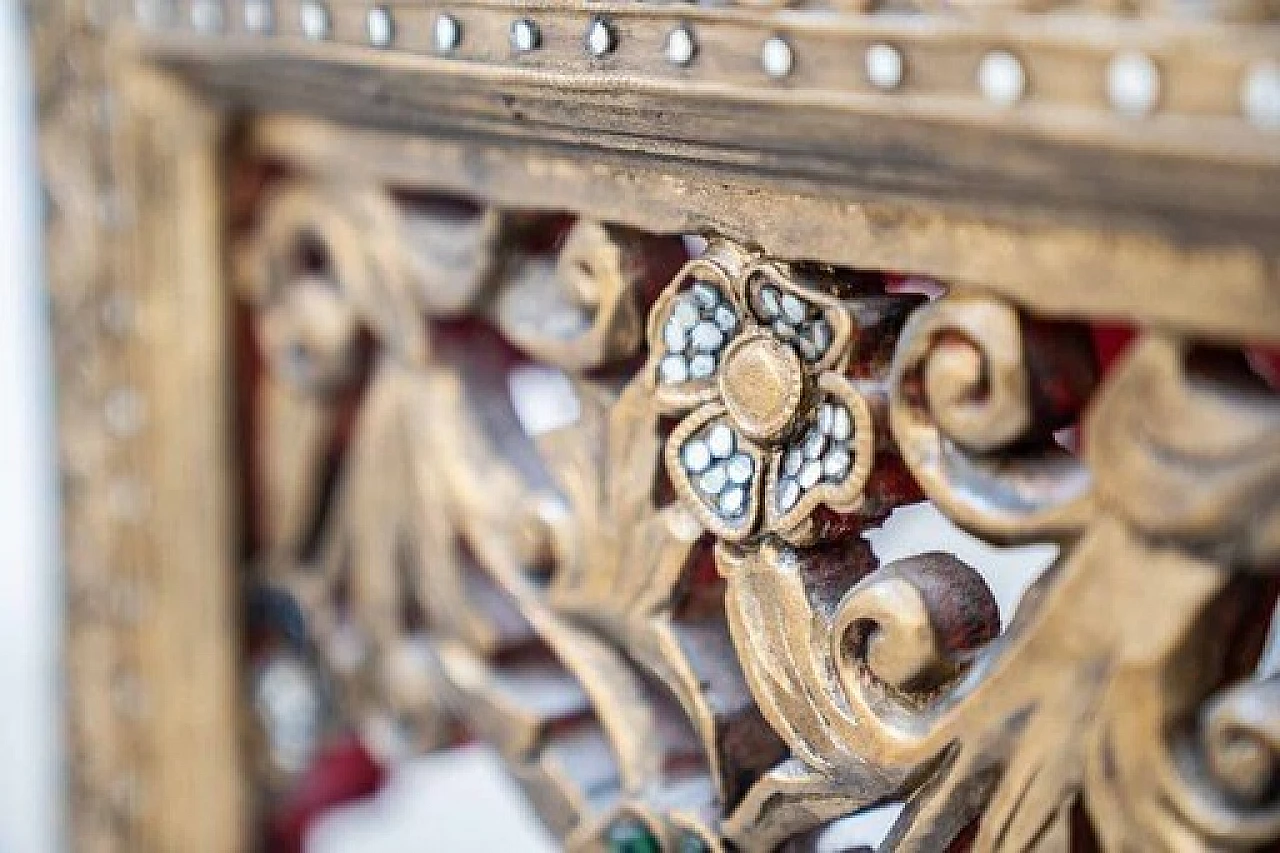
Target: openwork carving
580,364
651,593
779,430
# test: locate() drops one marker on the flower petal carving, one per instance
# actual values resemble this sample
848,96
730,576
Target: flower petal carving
717,472
812,323
690,326
827,462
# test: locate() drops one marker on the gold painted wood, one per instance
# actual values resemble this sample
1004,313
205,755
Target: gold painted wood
764,305
135,275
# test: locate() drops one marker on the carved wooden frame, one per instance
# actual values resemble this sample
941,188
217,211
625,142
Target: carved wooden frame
1055,168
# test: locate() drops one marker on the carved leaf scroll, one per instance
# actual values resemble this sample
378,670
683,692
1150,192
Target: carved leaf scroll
659,606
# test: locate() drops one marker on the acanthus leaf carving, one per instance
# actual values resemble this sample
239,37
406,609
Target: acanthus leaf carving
659,607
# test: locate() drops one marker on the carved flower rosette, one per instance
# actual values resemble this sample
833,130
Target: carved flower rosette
751,355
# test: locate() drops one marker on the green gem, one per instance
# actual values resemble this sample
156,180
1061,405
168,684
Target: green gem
632,836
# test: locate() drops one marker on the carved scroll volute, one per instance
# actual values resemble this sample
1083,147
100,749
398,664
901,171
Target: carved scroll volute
583,309
348,235
973,426
1195,457
847,682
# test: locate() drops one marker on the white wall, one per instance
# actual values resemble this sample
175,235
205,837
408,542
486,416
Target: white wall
31,800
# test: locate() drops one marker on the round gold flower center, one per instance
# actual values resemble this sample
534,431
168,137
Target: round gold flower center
761,382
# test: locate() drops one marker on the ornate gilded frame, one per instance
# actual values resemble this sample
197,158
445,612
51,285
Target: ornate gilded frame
1056,165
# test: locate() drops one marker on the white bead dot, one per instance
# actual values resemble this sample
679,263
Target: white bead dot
810,473
769,302
732,501
680,46
741,467
706,336
600,38
793,460
380,27
714,480
788,494
837,463
525,36
258,16
793,308
841,424
675,336
685,313
1260,95
815,442
706,295
1133,84
720,440
701,366
152,13
206,16
776,57
447,33
314,18
673,370
884,66
1002,78
696,456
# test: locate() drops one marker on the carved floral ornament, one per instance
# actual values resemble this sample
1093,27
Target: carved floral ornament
776,429
819,682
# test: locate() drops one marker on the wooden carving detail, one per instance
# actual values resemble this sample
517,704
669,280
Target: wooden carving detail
645,582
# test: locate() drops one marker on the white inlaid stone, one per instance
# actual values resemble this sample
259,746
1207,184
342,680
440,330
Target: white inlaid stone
776,57
1260,95
706,295
701,366
733,500
706,337
726,319
680,47
841,424
837,463
810,473
600,40
1001,78
792,461
826,417
793,308
769,302
685,312
259,16
720,440
447,33
815,442
380,27
525,36
1133,84
314,20
740,468
673,369
713,481
675,335
788,494
884,66
821,334
696,456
